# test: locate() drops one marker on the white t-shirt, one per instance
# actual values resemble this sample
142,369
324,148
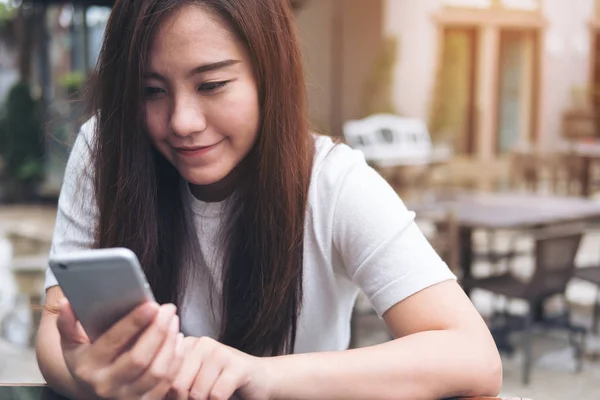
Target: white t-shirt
358,235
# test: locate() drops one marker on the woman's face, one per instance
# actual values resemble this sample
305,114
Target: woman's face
201,98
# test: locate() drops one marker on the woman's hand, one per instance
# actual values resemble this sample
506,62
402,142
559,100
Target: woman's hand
214,371
138,358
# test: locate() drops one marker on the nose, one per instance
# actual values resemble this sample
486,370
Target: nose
187,117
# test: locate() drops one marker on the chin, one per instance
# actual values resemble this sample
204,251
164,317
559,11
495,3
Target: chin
203,179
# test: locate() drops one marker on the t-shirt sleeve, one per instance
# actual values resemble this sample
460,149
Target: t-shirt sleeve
383,250
77,211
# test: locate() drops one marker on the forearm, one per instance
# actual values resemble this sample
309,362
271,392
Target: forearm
426,365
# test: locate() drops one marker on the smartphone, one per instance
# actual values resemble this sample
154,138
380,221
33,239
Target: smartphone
102,285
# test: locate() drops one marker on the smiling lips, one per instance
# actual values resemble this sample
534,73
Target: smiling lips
195,151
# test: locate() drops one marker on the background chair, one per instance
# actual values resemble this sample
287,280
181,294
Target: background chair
555,252
592,274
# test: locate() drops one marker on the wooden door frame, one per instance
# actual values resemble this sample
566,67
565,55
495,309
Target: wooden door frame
594,74
502,19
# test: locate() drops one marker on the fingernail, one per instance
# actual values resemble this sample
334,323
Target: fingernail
149,310
165,314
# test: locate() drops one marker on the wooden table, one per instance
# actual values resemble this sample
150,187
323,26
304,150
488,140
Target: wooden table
504,211
17,391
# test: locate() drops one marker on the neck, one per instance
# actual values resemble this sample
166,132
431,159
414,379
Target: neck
219,191
215,192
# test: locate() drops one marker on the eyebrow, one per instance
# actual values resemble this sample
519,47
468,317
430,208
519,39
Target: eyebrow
200,69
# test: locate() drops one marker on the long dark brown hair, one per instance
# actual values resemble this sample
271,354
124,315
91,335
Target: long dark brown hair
141,204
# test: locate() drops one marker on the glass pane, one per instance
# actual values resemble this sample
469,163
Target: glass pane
515,89
97,17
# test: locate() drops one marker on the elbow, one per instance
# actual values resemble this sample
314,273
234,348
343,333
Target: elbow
489,373
493,380
480,369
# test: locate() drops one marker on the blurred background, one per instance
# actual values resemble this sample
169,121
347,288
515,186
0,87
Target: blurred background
484,115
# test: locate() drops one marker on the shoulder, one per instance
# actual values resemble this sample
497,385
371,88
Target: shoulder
79,166
338,167
83,141
334,161
88,128
350,194
81,153
85,136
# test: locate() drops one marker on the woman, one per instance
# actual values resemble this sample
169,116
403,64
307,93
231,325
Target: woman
252,232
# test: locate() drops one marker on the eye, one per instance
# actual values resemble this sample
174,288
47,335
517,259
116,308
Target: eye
211,87
150,91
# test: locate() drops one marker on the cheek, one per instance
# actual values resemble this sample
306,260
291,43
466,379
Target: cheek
155,122
240,114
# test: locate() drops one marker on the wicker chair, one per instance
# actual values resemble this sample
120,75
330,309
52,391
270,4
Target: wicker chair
567,174
446,242
555,252
526,170
592,274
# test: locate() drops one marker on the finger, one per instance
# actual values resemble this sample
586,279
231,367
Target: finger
161,366
165,391
227,383
132,364
193,358
161,392
177,362
189,343
71,333
207,376
112,343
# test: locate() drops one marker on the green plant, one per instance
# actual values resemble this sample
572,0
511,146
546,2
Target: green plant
22,138
3,130
72,82
7,13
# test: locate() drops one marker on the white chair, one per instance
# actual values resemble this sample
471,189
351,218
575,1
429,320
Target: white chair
8,286
388,140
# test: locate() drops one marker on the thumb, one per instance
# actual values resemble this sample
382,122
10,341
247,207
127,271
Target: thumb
71,332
